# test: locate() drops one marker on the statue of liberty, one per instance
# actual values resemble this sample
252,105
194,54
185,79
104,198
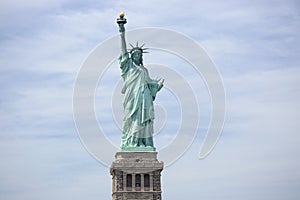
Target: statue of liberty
139,93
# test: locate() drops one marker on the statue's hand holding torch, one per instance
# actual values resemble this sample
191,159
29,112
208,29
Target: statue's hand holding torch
121,21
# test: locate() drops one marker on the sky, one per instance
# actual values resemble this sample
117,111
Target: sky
253,44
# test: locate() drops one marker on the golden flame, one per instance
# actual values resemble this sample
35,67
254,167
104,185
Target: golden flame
122,14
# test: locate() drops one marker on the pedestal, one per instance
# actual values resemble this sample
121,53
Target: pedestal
136,176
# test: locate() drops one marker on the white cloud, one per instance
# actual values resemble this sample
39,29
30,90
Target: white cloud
254,44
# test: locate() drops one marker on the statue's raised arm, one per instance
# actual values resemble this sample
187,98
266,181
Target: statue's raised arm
122,21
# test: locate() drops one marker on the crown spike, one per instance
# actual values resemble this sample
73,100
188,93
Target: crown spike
133,48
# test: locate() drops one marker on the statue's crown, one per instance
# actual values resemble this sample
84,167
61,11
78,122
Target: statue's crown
137,47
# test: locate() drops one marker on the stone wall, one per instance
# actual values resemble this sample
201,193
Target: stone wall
136,164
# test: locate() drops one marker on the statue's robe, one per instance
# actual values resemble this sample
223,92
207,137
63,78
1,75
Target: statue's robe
139,93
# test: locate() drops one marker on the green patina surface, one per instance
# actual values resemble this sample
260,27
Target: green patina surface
139,149
139,93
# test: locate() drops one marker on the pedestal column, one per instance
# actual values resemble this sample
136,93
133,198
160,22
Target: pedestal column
125,181
142,182
133,182
151,182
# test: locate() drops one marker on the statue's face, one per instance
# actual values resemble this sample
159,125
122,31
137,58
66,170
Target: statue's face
137,57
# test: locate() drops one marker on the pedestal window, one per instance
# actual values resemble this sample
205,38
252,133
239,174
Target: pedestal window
129,181
137,181
146,180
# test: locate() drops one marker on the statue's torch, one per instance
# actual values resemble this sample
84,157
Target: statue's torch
121,19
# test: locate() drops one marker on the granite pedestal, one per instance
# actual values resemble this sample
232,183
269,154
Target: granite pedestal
136,176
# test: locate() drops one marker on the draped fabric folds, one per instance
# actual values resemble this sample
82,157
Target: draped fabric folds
139,93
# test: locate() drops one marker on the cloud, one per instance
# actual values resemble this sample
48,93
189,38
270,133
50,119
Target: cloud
254,45
259,146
